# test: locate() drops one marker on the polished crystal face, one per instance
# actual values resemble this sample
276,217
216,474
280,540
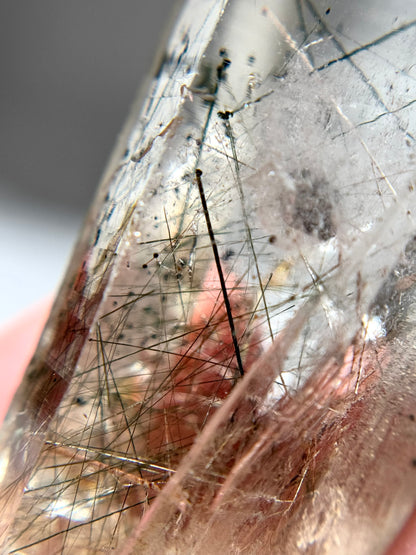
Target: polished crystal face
230,364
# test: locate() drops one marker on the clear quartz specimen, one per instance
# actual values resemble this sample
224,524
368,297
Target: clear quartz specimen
230,363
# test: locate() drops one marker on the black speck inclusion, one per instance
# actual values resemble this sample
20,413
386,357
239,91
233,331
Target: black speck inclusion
313,210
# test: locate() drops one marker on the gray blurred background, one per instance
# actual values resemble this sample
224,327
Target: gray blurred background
69,72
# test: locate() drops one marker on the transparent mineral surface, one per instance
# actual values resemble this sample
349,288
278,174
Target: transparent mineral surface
230,364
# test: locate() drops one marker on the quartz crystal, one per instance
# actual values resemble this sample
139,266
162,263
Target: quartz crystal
230,363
